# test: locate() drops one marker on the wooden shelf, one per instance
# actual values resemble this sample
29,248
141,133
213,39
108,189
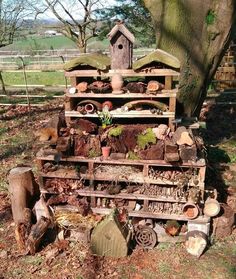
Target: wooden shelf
99,160
129,114
103,194
124,73
146,214
138,179
162,94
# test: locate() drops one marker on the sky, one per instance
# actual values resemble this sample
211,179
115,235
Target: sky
76,10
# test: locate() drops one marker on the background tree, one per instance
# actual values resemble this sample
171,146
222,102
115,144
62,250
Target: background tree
198,33
12,13
78,18
136,17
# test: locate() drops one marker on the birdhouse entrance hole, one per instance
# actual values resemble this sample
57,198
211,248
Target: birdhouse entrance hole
120,46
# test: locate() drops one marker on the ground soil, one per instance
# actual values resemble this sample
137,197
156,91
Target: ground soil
63,260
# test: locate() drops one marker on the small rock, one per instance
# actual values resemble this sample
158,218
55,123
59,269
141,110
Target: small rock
3,254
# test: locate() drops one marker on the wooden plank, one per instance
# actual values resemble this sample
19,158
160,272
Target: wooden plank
106,177
146,214
162,94
103,194
197,164
31,96
125,73
168,82
129,114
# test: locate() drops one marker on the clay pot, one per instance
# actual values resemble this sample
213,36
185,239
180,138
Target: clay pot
190,210
89,108
106,152
117,83
107,104
211,207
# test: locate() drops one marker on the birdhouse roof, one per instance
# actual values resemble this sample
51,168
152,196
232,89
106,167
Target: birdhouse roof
121,27
157,55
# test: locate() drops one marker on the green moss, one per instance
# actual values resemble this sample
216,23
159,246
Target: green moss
210,18
144,139
93,153
133,156
116,131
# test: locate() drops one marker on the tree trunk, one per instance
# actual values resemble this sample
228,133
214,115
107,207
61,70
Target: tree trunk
197,33
3,84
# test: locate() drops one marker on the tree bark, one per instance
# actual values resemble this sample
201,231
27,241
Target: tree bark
3,84
197,33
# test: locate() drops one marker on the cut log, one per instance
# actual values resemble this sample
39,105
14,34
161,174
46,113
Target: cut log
196,242
171,151
49,133
223,225
155,152
24,191
188,153
36,234
181,136
154,86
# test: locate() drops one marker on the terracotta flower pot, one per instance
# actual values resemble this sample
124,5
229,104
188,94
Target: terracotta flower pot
106,151
107,104
190,210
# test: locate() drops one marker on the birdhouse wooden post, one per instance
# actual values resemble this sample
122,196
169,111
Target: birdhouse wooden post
121,47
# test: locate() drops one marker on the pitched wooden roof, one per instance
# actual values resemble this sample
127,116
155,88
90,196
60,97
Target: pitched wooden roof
157,55
121,27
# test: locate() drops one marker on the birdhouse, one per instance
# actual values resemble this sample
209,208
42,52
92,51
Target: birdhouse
121,47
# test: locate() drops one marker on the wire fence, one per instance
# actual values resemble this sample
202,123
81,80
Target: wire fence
50,62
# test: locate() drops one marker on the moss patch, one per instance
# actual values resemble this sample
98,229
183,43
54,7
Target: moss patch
93,153
116,131
133,156
147,138
210,17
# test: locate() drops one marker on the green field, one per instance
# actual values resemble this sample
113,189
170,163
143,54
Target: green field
57,42
34,78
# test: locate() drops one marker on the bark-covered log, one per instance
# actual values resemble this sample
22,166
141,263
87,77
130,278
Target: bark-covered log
194,32
188,153
36,234
24,191
155,152
223,225
171,151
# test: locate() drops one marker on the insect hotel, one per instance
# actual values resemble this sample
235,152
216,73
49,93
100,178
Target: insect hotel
120,154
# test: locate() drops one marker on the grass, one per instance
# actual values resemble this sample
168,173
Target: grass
40,78
34,43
